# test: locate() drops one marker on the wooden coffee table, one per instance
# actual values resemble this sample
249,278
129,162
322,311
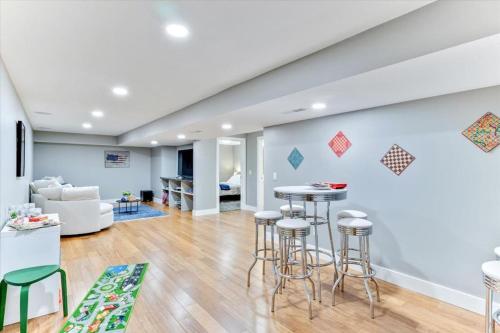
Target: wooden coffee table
128,205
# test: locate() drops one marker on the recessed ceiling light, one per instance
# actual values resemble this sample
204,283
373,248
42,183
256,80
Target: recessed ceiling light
226,126
181,136
154,142
97,114
318,106
120,91
177,30
43,113
87,125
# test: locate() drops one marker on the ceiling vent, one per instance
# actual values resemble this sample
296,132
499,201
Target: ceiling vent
43,113
295,110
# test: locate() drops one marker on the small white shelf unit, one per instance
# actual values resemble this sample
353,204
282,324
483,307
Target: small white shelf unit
179,191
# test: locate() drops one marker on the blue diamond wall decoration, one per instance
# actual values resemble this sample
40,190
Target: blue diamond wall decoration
295,158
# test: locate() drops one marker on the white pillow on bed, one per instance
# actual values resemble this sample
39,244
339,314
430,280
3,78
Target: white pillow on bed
235,180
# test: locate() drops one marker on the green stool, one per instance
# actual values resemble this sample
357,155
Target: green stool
24,278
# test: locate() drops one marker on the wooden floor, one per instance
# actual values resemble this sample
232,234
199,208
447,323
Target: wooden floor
197,283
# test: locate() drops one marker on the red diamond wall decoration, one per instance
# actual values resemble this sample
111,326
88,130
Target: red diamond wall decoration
339,144
397,159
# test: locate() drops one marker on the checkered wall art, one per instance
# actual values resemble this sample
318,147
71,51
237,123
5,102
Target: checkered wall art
485,132
339,144
397,159
295,158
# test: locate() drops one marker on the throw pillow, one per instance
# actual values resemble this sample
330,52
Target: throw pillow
51,193
80,193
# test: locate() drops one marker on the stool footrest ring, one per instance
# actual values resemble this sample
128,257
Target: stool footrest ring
269,258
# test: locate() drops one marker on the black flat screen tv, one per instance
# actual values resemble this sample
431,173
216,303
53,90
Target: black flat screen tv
20,149
185,163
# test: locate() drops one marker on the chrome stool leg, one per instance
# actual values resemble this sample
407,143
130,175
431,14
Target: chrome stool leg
256,253
490,323
265,251
304,272
365,268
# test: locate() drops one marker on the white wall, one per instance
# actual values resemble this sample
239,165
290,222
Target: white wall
163,164
251,140
13,190
440,219
204,175
83,165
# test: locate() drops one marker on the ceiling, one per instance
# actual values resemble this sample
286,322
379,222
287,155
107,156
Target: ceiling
464,67
65,56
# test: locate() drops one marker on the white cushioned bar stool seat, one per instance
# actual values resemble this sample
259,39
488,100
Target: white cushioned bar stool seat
354,226
295,208
297,211
497,252
292,224
267,215
492,269
350,213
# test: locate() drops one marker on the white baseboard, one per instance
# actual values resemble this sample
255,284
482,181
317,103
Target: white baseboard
201,212
250,208
445,294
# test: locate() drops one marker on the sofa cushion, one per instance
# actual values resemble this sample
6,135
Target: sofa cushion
51,193
59,179
105,208
80,193
42,183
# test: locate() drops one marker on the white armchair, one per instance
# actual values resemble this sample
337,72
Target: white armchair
78,216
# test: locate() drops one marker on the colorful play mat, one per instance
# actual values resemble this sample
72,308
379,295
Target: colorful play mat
108,305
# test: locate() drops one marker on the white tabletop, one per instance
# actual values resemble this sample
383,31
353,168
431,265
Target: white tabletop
306,190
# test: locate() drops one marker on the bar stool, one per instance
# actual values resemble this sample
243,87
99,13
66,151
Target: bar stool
289,229
491,278
497,252
297,211
350,213
362,229
265,218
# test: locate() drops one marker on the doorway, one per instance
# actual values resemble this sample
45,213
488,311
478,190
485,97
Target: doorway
260,173
231,171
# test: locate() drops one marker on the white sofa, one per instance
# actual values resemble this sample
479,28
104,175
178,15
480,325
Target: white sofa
79,208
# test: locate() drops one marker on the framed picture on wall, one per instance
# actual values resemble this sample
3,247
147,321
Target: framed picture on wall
20,148
117,159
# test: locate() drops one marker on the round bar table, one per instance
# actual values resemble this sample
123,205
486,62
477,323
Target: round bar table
314,195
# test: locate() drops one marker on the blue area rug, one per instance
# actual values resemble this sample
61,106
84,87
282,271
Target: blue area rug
143,213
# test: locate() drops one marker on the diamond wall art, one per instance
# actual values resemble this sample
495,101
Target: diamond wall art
397,159
295,158
485,132
339,144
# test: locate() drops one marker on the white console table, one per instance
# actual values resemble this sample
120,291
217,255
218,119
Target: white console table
22,249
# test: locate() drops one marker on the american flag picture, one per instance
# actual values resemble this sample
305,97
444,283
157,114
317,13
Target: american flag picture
117,159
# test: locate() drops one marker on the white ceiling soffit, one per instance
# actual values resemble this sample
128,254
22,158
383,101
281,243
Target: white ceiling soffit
65,56
465,67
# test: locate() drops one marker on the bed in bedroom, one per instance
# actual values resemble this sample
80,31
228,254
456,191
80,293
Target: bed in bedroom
230,187
230,194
